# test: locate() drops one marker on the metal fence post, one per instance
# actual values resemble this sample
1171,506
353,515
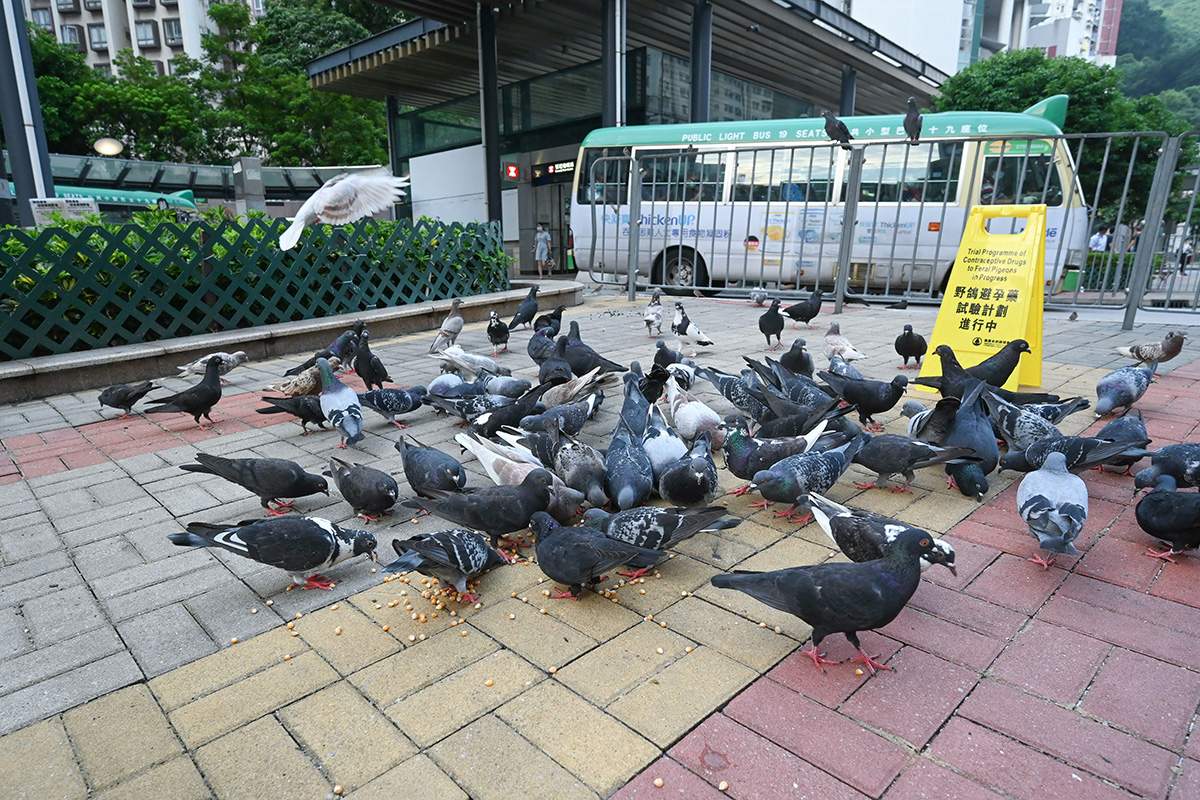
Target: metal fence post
849,221
1160,192
635,225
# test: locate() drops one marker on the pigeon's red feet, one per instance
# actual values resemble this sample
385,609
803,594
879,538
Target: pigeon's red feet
319,582
818,658
512,542
867,485
468,598
462,424
761,504
369,518
869,662
787,512
224,382
510,558
950,484
1165,555
1044,562
399,423
341,446
804,520
874,427
739,492
903,488
563,594
636,574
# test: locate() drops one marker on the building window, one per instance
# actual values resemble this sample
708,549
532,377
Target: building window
98,37
147,33
93,5
143,3
71,34
158,67
67,6
172,32
42,18
259,7
103,69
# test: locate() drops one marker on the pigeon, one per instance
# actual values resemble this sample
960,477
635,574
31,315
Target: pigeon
1057,412
1082,452
871,397
892,453
390,402
527,310
805,310
759,297
124,397
972,429
799,419
589,384
505,385
367,365
578,556
687,332
579,465
692,417
912,121
495,510
306,408
471,408
269,478
1150,352
845,598
747,455
664,356
341,406
956,381
1129,428
797,359
771,324
692,479
804,473
1054,504
344,199
739,390
864,536
653,316
553,321
1019,428
306,382
998,368
300,546
836,129
452,326
541,346
228,362
1122,388
556,369
497,333
469,363
570,418
582,358
629,475
1074,315
344,348
1180,461
656,528
450,384
662,444
429,470
452,556
911,345
1170,516
508,466
836,344
920,420
197,400
842,367
369,491
508,414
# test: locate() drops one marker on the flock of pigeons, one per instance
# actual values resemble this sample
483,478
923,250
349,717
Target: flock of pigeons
791,439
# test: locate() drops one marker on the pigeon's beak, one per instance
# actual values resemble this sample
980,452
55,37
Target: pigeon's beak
374,557
952,569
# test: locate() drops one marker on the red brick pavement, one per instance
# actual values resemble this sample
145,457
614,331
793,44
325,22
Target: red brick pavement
1081,681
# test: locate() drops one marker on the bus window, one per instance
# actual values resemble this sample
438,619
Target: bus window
612,180
1020,179
925,172
673,177
790,176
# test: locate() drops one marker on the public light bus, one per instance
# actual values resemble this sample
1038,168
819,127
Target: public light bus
760,203
119,205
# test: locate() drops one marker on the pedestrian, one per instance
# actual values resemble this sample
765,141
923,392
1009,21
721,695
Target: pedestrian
1185,256
541,247
1098,241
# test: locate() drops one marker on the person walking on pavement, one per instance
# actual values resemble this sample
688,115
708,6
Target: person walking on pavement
541,247
1185,256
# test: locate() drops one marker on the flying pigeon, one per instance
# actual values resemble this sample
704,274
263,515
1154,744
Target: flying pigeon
344,199
306,408
452,556
553,321
1122,388
836,129
688,334
307,382
692,479
1054,503
814,471
771,324
1180,461
629,475
269,478
891,453
452,326
570,417
956,381
871,397
124,397
998,368
657,528
228,362
497,333
430,471
912,121
653,315
806,309
1170,516
580,556
592,383
369,491
844,598
1150,352
862,535
197,400
911,345
301,546
344,348
495,510
390,402
341,406
527,310
836,344
797,360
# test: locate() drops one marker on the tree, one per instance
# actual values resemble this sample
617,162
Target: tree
59,71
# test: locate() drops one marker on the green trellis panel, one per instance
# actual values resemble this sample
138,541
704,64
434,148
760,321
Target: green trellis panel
64,291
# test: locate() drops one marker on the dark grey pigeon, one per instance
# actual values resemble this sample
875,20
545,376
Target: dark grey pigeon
691,480
842,367
341,406
797,359
629,476
570,417
996,370
836,129
891,453
862,535
931,424
972,429
468,409
956,381
527,310
656,528
452,556
805,310
844,598
344,347
911,345
1016,426
197,400
738,389
871,397
912,121
662,444
505,385
305,407
269,478
495,510
796,419
367,364
556,368
429,470
582,358
491,421
553,321
1129,428
635,409
579,465
1082,452
497,333
300,546
1122,388
1180,461
1054,504
123,396
390,402
580,556
805,473
541,346
664,356
1057,412
369,491
747,455
771,324
1170,516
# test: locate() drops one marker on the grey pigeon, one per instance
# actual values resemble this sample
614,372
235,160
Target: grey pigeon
541,346
452,326
1057,412
837,344
579,465
505,385
870,397
430,471
805,473
124,397
863,535
452,556
628,476
996,370
662,444
913,121
805,310
1152,352
508,465
369,491
300,546
1054,504
341,406
1180,461
1122,388
687,332
470,363
836,129
844,598
495,510
891,453
797,359
759,297
910,344
635,408
390,402
1129,428
771,324
469,409
746,455
442,385
367,364
344,348
306,408
269,478
653,315
972,429
738,390
1018,427
228,362
656,528
497,333
553,321
570,417
1170,516
843,368
582,358
197,400
580,556
664,356
692,479
527,310
1082,452
556,368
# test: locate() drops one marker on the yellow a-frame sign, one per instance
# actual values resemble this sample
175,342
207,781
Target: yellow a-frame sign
995,294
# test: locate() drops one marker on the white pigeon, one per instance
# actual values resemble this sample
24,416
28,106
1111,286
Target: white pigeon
470,363
1054,504
687,331
228,362
344,199
691,417
654,315
452,326
838,345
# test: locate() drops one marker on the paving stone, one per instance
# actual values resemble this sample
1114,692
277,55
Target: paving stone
1149,697
679,574
229,612
120,735
37,763
1116,561
677,782
617,666
944,639
31,568
1051,661
924,779
727,633
61,615
63,656
29,536
540,638
479,757
164,639
977,615
418,778
178,779
1015,583
242,763
335,726
392,679
1121,629
14,636
65,690
970,559
599,750
102,558
830,686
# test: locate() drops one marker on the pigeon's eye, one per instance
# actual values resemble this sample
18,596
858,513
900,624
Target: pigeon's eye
924,543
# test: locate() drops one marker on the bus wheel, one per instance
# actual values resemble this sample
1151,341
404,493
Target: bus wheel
680,271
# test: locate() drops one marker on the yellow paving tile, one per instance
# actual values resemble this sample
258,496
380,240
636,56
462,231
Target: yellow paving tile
260,761
177,779
538,637
346,638
37,763
120,734
396,677
418,778
620,665
727,633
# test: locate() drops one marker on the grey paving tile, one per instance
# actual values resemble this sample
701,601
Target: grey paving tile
67,690
62,615
60,657
229,611
165,638
14,638
97,559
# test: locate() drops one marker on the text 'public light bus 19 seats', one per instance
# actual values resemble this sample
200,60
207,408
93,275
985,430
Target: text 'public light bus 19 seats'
760,203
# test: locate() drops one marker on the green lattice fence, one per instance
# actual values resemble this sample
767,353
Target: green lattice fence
65,290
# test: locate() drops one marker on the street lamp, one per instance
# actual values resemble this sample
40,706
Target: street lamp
107,146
